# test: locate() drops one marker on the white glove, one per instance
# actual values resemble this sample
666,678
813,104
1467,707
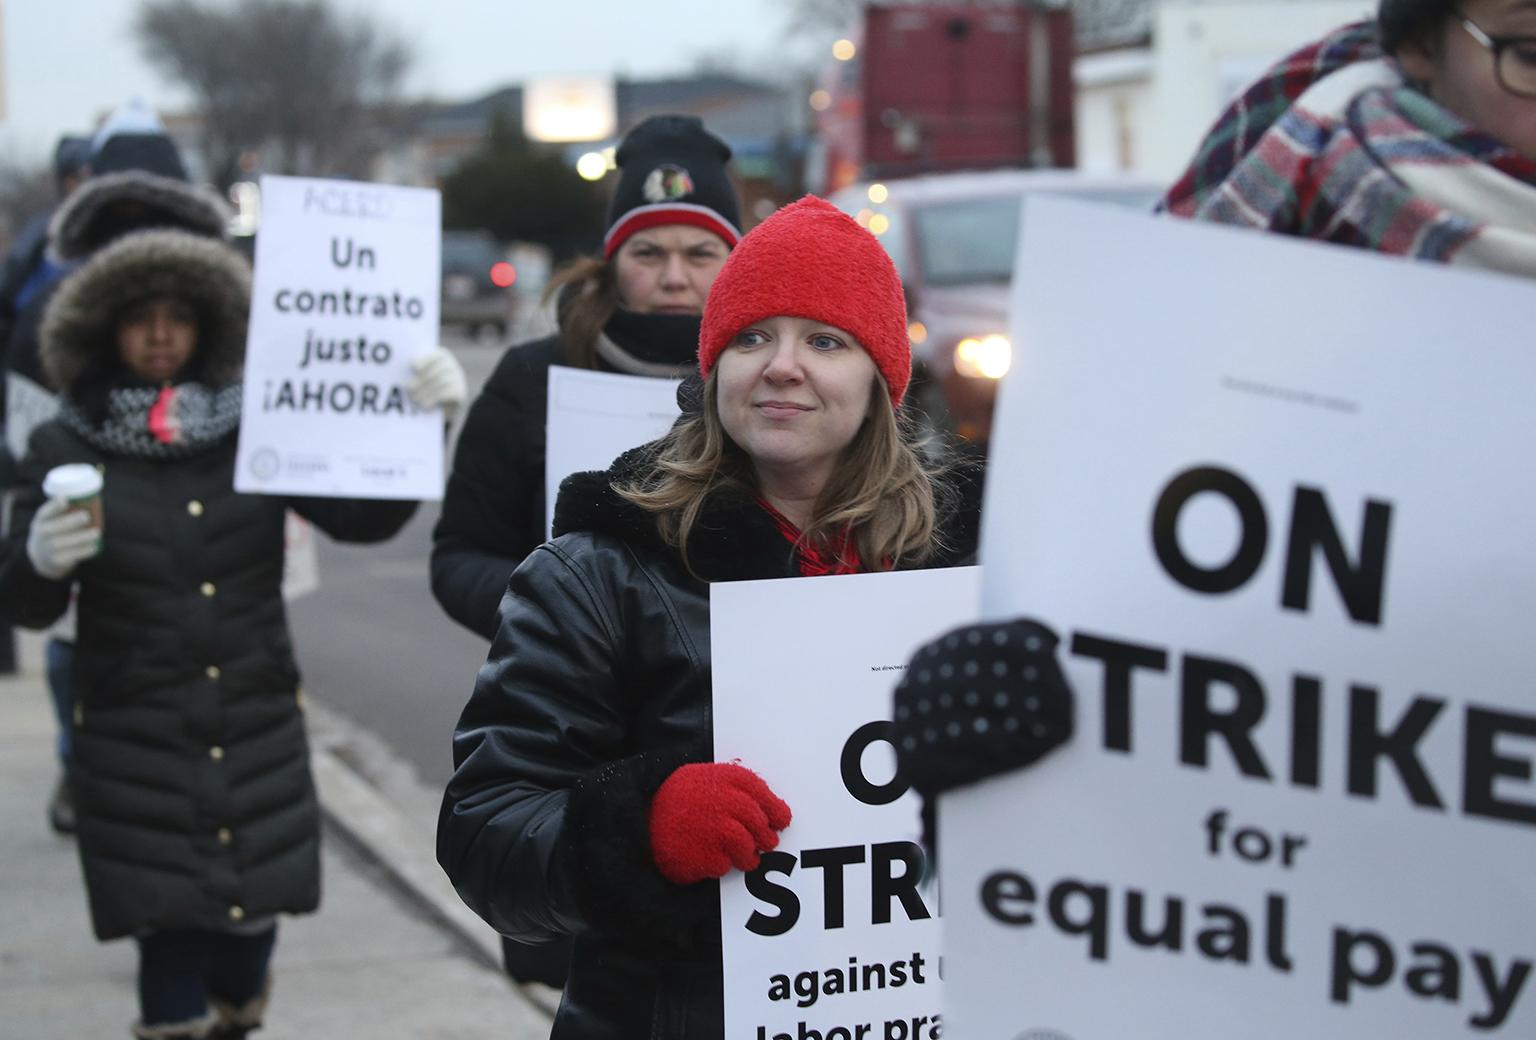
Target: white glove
60,539
437,381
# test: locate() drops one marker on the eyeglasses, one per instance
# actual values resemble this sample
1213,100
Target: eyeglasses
1514,58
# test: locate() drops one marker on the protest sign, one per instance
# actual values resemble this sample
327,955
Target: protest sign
833,937
594,417
301,558
27,405
345,296
1273,498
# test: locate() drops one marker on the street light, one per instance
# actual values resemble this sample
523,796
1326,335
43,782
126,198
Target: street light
984,357
592,166
844,50
569,109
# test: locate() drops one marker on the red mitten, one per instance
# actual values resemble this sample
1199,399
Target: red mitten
710,816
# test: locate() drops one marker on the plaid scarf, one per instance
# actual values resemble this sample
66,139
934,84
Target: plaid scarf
841,558
1333,144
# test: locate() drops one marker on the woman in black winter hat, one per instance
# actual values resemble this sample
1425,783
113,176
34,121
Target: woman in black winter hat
673,220
196,814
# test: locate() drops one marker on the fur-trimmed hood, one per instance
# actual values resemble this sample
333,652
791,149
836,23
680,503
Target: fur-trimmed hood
88,219
78,338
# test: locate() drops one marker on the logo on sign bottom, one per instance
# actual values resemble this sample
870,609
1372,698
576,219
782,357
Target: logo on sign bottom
264,464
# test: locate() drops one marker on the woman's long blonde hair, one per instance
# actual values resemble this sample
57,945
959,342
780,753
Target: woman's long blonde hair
881,492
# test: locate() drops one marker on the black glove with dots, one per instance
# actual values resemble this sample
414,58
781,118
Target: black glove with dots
978,701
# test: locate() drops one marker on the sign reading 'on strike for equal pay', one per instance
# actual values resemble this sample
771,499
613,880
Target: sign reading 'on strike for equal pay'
835,935
1276,502
345,295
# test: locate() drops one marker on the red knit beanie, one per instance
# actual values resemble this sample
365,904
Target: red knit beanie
812,260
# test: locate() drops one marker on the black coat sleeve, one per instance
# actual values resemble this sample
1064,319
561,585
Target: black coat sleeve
361,520
493,508
26,597
543,828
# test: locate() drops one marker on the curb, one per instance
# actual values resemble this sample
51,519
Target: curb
371,796
357,811
375,801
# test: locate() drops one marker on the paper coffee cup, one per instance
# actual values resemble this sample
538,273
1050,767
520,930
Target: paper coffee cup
78,484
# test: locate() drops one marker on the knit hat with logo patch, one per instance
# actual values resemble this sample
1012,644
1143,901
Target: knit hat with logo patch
672,171
812,260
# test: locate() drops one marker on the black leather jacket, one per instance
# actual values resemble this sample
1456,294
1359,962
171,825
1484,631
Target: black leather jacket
596,688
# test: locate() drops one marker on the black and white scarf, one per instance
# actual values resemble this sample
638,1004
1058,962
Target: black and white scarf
158,422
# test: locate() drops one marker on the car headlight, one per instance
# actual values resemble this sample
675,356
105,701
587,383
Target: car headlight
984,357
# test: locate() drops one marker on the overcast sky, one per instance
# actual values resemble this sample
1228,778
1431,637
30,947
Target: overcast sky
67,61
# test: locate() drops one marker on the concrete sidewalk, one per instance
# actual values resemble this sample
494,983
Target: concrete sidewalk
388,956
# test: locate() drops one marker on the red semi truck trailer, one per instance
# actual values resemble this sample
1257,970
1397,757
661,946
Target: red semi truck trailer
928,87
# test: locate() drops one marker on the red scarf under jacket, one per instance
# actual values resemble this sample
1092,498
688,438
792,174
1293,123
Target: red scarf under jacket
840,558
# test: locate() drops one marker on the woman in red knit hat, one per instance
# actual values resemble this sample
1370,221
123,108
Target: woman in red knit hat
634,310
586,800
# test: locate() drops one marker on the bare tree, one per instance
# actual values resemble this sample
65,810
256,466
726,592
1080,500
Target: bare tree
306,88
822,16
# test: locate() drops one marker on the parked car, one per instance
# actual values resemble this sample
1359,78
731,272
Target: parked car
477,282
953,237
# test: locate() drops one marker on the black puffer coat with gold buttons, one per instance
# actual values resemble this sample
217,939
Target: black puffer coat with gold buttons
191,774
193,794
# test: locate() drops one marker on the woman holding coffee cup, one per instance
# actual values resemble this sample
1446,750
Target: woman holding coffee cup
67,528
197,817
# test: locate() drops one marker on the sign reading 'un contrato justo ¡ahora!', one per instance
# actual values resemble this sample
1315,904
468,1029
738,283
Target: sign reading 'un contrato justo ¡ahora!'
345,296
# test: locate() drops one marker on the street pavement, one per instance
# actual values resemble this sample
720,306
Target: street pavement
373,641
392,953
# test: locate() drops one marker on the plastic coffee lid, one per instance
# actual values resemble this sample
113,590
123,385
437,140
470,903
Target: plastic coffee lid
76,480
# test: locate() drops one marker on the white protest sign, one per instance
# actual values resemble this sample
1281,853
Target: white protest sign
301,558
27,406
1275,499
594,417
833,937
345,295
